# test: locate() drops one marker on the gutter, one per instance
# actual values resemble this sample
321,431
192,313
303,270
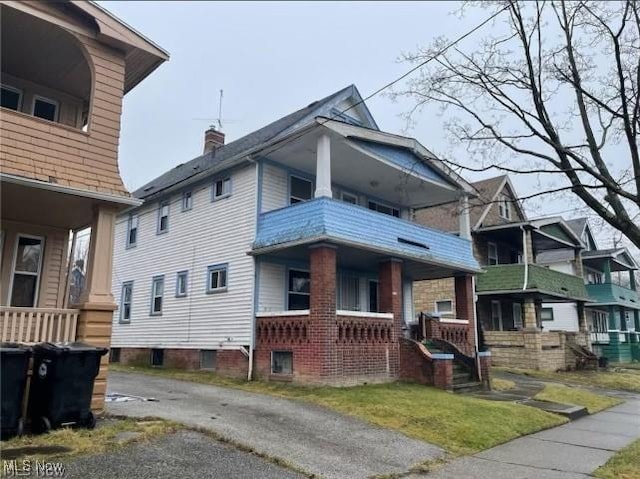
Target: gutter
526,259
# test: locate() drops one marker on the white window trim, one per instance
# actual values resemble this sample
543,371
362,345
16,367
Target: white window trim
517,306
154,295
300,200
288,291
346,193
15,90
160,216
216,197
38,275
47,100
500,323
184,273
495,245
386,205
122,319
129,224
504,207
218,267
436,309
186,207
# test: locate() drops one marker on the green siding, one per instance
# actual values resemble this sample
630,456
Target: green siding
504,277
557,232
610,293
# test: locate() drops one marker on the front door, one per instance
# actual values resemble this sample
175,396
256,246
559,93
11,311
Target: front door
517,315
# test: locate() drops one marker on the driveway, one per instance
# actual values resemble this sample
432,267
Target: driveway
315,439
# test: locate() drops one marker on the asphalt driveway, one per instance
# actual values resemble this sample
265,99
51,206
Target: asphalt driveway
313,438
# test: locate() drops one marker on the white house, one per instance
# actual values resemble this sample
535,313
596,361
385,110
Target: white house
288,252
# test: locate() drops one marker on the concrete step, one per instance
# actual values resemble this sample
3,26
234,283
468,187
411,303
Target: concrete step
569,411
463,377
467,387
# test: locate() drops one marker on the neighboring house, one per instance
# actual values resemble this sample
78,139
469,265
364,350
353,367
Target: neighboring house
514,286
65,69
287,253
613,310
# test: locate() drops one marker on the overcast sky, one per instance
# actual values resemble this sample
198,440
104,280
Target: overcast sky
271,59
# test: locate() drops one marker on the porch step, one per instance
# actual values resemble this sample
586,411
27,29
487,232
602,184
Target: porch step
467,387
461,377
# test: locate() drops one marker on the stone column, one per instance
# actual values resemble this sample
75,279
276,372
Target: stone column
578,263
529,320
97,303
323,167
321,362
583,326
465,306
528,246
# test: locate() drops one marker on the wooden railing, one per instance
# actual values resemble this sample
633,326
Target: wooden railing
35,325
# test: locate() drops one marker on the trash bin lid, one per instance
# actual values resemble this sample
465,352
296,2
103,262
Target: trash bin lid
14,348
68,347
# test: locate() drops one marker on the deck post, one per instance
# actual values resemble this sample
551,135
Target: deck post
323,167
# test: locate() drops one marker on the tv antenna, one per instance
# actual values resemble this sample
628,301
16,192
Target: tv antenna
217,122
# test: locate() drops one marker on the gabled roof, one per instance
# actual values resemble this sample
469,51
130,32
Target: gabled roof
620,255
228,154
577,225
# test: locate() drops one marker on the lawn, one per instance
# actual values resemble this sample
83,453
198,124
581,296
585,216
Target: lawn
625,464
576,396
66,443
459,424
627,380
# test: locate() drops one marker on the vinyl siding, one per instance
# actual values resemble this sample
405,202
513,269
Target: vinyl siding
210,233
275,187
271,287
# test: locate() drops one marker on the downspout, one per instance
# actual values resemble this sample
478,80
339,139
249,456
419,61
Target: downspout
255,266
475,329
526,258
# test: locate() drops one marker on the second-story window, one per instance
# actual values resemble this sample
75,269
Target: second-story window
157,294
181,283
187,200
163,218
387,210
217,278
10,97
45,108
504,206
349,198
493,254
300,190
132,230
221,188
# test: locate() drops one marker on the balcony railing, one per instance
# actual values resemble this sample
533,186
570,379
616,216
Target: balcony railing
611,293
35,325
328,219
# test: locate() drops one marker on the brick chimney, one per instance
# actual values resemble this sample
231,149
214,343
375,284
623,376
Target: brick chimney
213,139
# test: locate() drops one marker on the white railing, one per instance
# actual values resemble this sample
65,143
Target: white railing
35,325
601,338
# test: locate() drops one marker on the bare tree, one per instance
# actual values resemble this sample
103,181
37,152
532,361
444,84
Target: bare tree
556,85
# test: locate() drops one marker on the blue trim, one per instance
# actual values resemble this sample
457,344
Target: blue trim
121,320
160,207
153,280
218,267
222,178
184,273
184,196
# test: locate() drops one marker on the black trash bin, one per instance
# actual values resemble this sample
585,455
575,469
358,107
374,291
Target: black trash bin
62,385
603,362
14,365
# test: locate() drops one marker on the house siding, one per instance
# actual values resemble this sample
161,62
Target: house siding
275,186
271,282
211,233
565,317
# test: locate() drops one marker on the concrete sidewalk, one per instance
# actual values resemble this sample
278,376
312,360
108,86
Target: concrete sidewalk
571,451
317,440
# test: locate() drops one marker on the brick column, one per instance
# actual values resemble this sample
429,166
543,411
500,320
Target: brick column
465,305
390,300
583,326
322,312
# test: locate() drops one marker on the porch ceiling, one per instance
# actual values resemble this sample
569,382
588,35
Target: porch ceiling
355,168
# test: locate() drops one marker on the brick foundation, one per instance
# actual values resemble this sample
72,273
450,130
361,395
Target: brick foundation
416,365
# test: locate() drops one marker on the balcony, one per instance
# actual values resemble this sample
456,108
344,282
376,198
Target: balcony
355,227
510,278
613,294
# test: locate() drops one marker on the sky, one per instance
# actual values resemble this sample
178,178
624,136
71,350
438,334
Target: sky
274,58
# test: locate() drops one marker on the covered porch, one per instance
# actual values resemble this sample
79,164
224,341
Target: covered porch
46,294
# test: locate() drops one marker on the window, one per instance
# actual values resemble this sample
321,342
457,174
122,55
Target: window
444,307
10,97
163,218
496,316
157,357
599,322
387,210
493,254
157,294
114,355
132,231
207,359
374,307
594,278
221,188
300,190
281,362
299,289
187,200
217,278
504,206
349,293
546,314
181,284
125,302
349,198
517,315
25,278
45,108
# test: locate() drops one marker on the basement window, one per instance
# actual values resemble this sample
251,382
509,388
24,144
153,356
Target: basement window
157,357
208,359
114,355
281,362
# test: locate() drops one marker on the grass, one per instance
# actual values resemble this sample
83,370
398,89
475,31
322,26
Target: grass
625,464
498,384
576,396
459,424
627,380
67,443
